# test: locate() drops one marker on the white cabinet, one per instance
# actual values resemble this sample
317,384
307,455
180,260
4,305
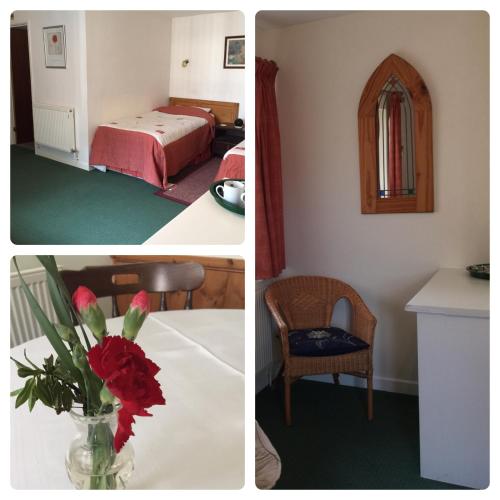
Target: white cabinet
453,378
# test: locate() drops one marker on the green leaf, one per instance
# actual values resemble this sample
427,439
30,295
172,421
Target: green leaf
49,263
30,362
58,397
49,363
19,364
16,392
43,392
60,289
32,396
59,304
48,329
23,396
26,372
67,398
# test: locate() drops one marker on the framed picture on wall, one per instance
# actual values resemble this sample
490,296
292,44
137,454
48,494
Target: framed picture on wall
234,52
54,42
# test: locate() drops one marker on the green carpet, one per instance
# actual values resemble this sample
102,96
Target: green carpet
331,445
54,203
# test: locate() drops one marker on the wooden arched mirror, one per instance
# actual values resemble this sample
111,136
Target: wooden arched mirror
395,141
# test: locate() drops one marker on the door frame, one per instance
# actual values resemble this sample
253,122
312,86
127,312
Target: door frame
28,30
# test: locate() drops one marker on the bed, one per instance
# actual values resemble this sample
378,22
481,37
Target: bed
155,145
233,163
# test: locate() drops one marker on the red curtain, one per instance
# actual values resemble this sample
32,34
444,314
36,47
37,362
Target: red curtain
395,171
269,232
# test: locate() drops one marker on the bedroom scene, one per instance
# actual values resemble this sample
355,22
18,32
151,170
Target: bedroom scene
98,343
372,250
119,142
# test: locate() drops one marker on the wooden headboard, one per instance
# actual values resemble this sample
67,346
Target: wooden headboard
224,112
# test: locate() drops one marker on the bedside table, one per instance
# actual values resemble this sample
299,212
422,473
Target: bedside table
226,137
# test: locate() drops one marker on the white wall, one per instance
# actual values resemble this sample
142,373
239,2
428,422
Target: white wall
60,87
201,40
323,68
73,262
128,63
267,42
67,261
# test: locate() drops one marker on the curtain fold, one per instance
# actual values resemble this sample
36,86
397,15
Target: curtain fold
395,167
269,230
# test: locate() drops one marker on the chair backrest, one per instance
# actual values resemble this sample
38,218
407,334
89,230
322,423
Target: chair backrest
160,277
308,301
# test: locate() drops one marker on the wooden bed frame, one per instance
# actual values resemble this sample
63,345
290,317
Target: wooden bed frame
224,112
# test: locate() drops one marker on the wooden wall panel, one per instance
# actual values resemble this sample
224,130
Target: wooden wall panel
224,112
224,286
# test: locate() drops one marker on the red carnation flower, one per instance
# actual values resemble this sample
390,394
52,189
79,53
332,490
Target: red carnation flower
129,376
86,304
83,297
135,315
141,301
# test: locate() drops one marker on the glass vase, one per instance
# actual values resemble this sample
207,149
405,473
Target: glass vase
91,461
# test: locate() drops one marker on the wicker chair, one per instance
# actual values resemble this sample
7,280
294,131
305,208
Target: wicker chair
303,302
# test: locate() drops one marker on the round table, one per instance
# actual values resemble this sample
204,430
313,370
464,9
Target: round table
195,441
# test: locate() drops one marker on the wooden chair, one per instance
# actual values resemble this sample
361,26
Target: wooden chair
160,277
307,302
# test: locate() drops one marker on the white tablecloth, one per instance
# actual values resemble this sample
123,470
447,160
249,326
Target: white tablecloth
205,222
195,441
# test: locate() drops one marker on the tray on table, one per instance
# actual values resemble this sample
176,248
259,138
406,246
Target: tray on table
222,202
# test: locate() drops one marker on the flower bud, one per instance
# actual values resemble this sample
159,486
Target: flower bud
67,334
79,357
86,304
135,316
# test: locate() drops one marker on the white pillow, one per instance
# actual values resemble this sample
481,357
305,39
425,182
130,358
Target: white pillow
204,109
199,107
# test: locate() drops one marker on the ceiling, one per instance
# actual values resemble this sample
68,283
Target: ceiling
269,19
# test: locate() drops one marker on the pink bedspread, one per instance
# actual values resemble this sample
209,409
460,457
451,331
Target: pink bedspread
232,166
141,155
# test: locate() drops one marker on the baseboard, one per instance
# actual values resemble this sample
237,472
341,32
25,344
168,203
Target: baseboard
387,384
265,375
61,157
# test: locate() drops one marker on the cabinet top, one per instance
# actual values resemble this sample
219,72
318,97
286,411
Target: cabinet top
453,292
229,126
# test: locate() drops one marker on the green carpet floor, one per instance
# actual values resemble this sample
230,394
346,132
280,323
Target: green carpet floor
53,203
331,445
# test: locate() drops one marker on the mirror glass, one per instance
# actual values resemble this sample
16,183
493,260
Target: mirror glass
395,145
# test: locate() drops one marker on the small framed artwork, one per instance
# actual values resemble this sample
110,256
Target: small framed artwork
234,52
54,42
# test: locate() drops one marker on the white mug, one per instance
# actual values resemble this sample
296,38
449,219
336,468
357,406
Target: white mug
231,191
242,199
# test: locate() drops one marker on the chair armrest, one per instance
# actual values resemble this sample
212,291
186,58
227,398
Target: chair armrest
364,323
281,323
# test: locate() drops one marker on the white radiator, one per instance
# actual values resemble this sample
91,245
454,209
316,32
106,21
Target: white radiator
267,345
54,126
23,325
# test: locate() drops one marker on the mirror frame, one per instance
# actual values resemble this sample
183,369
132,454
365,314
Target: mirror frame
423,201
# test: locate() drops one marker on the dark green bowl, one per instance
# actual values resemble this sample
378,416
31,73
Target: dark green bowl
481,271
223,203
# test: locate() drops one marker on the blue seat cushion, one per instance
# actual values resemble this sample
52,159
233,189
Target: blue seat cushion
329,341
